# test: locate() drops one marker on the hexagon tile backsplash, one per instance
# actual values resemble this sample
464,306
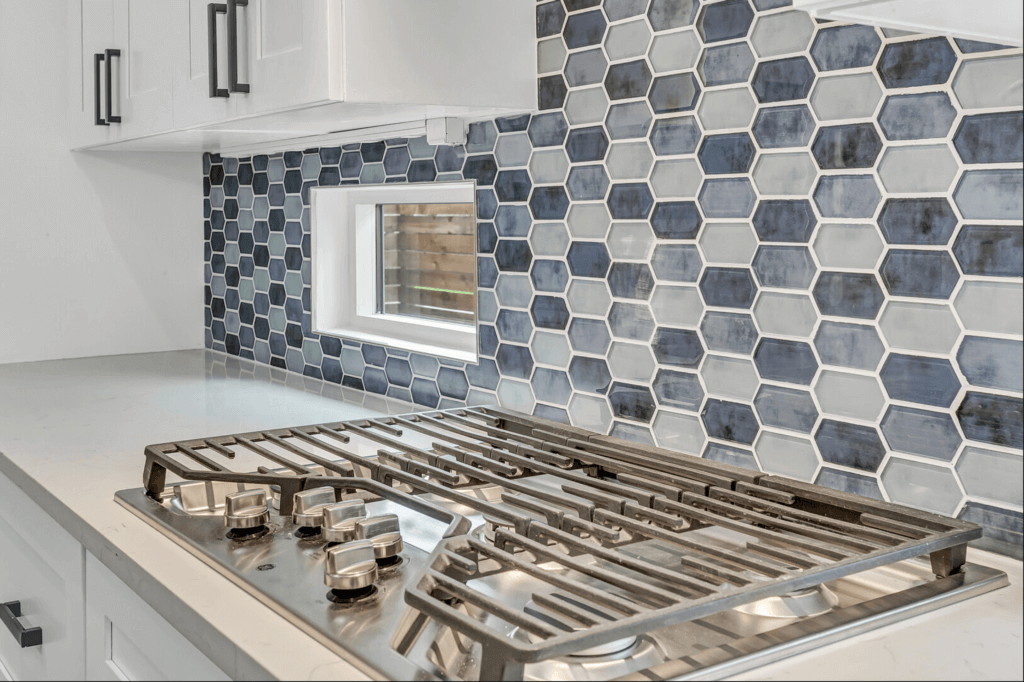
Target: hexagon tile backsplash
730,230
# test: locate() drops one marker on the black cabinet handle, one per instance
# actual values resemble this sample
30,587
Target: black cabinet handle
11,611
110,109
212,10
233,84
97,58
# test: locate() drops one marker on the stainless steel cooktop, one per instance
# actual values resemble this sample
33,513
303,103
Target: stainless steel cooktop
485,544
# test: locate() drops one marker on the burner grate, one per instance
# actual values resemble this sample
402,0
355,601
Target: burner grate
610,495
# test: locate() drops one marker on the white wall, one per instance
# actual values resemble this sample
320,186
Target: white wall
100,254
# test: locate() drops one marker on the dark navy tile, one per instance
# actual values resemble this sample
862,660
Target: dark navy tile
725,20
630,201
785,220
848,345
921,432
786,267
728,287
513,255
732,332
372,152
549,275
590,375
487,271
728,454
329,155
666,14
631,321
486,204
789,126
584,29
631,280
727,197
676,220
547,130
513,185
996,251
677,262
1003,528
514,361
928,381
678,135
587,183
677,347
424,392
422,170
786,408
452,383
512,124
726,154
628,80
783,79
331,369
351,165
550,17
849,482
632,402
549,203
991,138
588,259
922,274
782,360
396,161
514,325
916,117
330,345
726,64
678,389
729,421
374,355
551,92
484,374
847,196
481,168
916,63
917,221
678,92
375,381
398,371
992,363
850,445
992,419
847,294
587,144
549,312
551,386
848,146
845,47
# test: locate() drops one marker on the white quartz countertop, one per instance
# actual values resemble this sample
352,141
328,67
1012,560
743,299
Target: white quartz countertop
72,433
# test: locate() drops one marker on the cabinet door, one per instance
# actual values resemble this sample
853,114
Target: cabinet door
41,566
127,640
284,53
147,34
90,32
192,102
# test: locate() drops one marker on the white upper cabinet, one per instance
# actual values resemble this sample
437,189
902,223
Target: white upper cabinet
244,75
91,34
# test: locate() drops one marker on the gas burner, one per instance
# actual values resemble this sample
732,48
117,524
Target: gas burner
814,601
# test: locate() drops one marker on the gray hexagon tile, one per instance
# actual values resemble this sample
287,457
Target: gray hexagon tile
786,455
849,395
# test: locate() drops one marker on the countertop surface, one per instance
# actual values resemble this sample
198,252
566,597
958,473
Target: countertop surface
72,433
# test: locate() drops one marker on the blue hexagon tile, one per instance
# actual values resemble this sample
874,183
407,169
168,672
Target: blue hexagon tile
727,229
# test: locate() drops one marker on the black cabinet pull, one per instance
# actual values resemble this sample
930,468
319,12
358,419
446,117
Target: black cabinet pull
11,611
97,58
232,18
212,10
110,109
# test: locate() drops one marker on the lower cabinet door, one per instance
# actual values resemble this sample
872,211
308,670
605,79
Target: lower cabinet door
125,639
41,570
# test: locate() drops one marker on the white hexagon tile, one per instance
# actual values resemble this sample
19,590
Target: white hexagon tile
728,230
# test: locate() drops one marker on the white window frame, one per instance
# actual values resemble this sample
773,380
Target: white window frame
345,270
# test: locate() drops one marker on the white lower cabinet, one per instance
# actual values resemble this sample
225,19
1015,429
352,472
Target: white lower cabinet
125,639
42,569
93,626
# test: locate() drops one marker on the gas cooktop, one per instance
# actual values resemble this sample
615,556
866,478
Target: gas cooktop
481,543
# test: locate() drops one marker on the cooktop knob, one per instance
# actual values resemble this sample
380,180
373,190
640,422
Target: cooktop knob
384,533
339,520
351,566
309,505
247,509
